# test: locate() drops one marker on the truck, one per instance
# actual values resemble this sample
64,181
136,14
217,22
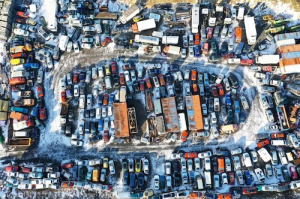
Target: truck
182,122
132,121
20,142
63,42
19,109
146,39
195,18
130,13
250,29
160,125
25,102
25,94
230,128
143,25
170,39
22,125
194,112
275,30
64,109
18,116
149,103
282,117
174,50
267,59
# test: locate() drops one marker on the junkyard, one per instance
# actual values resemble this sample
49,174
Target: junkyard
109,99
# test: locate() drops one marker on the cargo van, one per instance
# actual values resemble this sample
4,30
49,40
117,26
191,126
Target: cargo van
21,134
278,142
274,159
207,176
108,82
241,13
95,175
238,34
200,183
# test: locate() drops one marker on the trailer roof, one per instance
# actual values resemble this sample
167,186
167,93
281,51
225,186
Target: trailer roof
170,113
194,112
121,119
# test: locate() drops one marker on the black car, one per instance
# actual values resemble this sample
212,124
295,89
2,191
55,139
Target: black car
163,92
63,30
87,113
215,164
141,180
178,87
40,103
285,173
82,173
136,86
200,78
88,22
124,165
71,116
246,49
87,127
106,29
125,178
92,113
116,80
212,79
207,90
76,34
179,101
192,178
169,78
233,81
62,14
82,89
175,166
214,57
29,58
93,128
89,34
224,48
177,180
210,105
63,129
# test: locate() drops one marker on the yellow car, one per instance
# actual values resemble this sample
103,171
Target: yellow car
138,166
138,18
105,163
17,61
107,70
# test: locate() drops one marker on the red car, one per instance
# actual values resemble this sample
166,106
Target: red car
148,83
20,20
250,190
228,56
221,90
105,99
106,136
231,179
67,184
161,80
184,136
267,68
114,69
63,96
195,88
122,79
205,48
106,41
40,91
294,175
194,75
263,143
43,114
210,33
191,155
76,78
18,55
127,67
142,85
246,62
67,165
197,39
214,91
22,14
12,169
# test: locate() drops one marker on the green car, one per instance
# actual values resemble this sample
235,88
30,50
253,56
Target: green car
89,176
214,47
82,173
43,21
214,57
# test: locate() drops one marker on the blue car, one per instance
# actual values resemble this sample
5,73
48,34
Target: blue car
100,100
242,118
197,51
100,125
34,111
82,76
173,67
31,65
228,100
111,98
248,178
237,108
132,180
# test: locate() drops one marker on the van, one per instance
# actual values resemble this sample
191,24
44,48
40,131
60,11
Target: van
191,40
282,158
274,159
207,176
21,134
278,143
224,33
108,82
241,13
238,34
247,160
213,118
239,48
95,175
200,183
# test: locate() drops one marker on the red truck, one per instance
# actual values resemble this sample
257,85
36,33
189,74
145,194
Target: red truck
17,80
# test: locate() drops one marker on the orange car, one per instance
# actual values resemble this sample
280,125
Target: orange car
67,184
18,55
106,41
197,39
194,75
225,196
221,90
105,100
122,79
184,136
263,143
250,191
148,83
196,195
195,88
191,155
221,167
205,48
63,96
277,135
161,80
40,91
67,165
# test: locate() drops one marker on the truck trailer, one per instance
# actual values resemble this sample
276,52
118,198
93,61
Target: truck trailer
143,25
195,18
250,30
267,59
146,39
20,142
22,125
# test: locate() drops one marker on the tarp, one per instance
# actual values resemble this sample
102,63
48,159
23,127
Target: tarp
3,116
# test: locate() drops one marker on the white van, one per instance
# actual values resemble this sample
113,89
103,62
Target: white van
17,68
282,158
213,117
241,13
264,154
274,159
207,176
21,134
278,143
200,183
107,82
15,74
247,160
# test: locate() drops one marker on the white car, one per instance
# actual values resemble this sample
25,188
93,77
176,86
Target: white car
40,77
240,177
104,112
52,36
183,53
127,76
54,175
100,72
244,102
98,26
69,46
270,116
86,45
191,51
146,166
94,73
76,47
76,137
156,182
155,80
236,162
190,165
254,156
25,186
227,164
184,178
21,32
206,124
226,83
177,155
197,164
49,62
111,167
76,90
109,111
87,39
183,164
219,78
236,151
88,76
269,171
77,142
179,76
205,154
88,28
95,91
224,179
259,174
44,52
207,164
168,168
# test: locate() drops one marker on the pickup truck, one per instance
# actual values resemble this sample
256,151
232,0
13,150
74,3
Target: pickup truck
19,109
25,102
25,94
